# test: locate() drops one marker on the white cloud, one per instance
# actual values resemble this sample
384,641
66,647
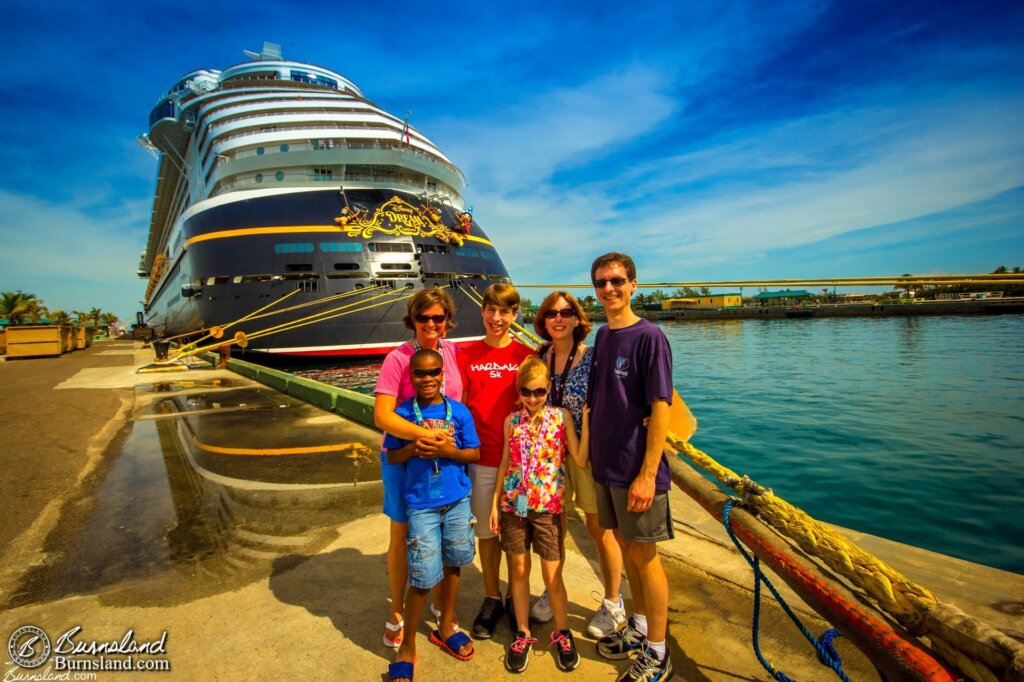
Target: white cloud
72,257
516,149
766,187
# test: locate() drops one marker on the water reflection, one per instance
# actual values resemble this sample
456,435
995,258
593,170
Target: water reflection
204,490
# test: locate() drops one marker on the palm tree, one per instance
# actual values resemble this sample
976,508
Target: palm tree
94,315
1001,270
19,307
908,287
58,317
107,320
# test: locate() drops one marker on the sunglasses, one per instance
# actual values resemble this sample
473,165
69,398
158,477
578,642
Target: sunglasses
436,319
616,282
422,373
564,313
536,392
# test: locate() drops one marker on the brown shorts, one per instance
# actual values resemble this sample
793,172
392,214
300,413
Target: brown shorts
545,532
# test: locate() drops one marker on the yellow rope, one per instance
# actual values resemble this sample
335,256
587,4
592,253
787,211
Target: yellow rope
193,349
303,322
323,315
977,649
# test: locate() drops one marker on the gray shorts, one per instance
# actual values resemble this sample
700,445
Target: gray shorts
653,525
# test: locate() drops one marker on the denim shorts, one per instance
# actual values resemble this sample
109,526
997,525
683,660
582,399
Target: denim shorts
438,537
393,478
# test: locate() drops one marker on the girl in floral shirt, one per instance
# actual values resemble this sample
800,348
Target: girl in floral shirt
527,507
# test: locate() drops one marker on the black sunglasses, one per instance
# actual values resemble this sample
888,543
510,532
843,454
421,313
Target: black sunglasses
616,282
564,313
436,319
536,393
422,373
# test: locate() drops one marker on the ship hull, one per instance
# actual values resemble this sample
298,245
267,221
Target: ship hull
331,271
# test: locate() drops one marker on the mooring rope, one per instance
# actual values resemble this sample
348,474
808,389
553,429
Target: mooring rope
827,654
979,650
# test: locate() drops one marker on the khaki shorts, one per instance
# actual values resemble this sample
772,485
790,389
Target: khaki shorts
579,484
545,532
483,479
653,525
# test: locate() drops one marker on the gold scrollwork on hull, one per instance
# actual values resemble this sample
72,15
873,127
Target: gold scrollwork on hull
398,217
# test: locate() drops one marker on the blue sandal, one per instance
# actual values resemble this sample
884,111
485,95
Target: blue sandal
400,671
452,645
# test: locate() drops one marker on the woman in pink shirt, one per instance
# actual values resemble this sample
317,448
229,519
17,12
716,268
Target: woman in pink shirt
430,315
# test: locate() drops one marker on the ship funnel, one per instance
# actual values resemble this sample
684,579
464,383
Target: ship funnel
270,51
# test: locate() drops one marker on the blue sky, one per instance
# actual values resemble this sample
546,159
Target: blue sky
711,140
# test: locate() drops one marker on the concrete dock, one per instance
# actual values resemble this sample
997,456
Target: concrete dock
245,524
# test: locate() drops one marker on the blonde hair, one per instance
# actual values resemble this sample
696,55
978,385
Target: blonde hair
532,369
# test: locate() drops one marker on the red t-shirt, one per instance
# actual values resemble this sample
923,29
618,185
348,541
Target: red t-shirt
489,377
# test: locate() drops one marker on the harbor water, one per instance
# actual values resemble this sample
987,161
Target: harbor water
910,428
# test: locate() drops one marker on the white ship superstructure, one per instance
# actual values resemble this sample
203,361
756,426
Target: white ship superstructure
266,170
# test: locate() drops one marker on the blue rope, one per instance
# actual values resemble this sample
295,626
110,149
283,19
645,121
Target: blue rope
827,654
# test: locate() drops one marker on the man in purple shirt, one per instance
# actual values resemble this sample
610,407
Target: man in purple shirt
630,393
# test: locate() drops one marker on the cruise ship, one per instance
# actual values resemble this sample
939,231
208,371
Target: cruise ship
291,208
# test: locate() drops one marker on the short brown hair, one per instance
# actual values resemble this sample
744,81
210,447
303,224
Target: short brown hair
611,258
582,329
427,298
501,294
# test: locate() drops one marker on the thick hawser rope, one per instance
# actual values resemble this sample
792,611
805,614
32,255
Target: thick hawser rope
980,651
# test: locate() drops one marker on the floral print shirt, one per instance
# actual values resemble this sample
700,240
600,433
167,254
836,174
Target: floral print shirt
575,395
536,461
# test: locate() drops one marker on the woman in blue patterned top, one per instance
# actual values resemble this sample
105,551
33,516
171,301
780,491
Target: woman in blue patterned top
563,324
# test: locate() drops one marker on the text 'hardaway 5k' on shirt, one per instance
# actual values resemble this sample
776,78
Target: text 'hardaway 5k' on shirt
489,375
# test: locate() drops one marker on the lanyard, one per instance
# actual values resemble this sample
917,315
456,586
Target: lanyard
558,386
526,426
419,420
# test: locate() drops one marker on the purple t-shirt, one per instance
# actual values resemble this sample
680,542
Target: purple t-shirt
631,368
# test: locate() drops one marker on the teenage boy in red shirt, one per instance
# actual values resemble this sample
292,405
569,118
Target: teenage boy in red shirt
488,368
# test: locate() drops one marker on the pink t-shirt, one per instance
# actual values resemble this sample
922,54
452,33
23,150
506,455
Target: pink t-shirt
396,379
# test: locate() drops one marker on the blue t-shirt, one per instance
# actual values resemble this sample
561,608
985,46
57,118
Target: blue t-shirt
453,484
631,368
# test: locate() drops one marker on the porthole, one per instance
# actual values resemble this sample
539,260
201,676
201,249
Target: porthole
259,177
279,175
259,151
284,147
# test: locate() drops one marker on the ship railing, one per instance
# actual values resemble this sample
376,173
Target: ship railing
320,126
310,178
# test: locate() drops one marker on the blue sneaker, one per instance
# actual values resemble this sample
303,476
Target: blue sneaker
647,668
623,643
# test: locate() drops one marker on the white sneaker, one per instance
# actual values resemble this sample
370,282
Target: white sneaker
541,611
608,619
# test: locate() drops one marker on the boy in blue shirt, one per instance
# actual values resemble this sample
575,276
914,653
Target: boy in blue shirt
437,491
